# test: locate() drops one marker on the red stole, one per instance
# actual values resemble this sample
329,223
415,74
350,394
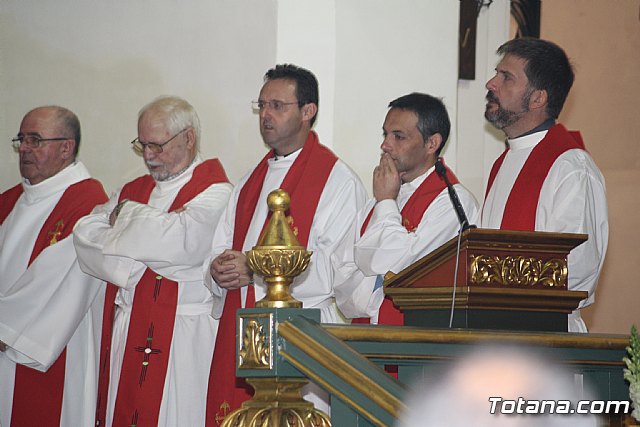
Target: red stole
412,214
522,203
304,182
37,396
146,357
8,200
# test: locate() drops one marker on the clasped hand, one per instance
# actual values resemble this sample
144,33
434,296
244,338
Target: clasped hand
231,270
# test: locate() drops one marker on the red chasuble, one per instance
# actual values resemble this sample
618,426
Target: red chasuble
522,203
146,357
412,214
304,182
37,396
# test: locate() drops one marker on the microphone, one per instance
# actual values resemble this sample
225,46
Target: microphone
464,225
455,201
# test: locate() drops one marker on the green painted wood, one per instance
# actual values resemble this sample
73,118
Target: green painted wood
315,331
277,315
600,368
342,415
358,400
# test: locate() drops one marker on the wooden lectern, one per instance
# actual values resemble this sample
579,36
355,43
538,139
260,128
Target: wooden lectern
507,280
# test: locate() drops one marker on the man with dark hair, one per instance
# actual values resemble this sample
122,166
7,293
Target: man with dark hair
411,213
306,83
545,180
325,198
149,242
49,308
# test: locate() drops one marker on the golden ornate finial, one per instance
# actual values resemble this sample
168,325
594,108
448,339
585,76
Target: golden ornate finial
278,256
277,403
278,232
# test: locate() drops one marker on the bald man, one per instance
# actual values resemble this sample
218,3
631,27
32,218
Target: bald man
49,309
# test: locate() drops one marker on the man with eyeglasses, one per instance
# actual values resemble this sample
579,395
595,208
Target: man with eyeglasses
149,242
325,198
49,308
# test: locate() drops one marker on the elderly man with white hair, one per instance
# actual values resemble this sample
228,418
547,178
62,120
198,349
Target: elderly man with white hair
149,242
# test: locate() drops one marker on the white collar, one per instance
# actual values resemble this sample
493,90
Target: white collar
417,181
73,173
287,160
527,141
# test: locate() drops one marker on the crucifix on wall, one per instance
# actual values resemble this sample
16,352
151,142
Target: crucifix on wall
525,13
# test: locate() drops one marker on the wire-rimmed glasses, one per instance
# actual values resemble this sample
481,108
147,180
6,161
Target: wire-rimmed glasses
154,147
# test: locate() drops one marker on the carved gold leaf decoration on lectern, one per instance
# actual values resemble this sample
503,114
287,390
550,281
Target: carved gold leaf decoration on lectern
255,351
522,271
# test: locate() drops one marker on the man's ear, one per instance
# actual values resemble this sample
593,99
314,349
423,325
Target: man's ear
191,137
433,143
67,148
539,99
309,111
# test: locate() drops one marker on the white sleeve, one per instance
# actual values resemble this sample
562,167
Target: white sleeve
573,200
173,244
354,291
90,236
43,309
222,240
336,233
386,245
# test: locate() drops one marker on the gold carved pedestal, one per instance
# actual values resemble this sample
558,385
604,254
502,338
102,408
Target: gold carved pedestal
278,258
277,403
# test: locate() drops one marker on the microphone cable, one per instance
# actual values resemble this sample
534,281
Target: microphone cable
455,278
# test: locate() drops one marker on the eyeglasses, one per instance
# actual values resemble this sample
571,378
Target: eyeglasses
275,105
154,147
32,141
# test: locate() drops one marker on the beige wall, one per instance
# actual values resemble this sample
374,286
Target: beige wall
603,40
105,61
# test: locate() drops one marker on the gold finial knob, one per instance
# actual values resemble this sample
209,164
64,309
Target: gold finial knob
278,200
278,232
278,256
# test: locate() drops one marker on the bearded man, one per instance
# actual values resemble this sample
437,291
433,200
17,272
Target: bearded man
545,180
